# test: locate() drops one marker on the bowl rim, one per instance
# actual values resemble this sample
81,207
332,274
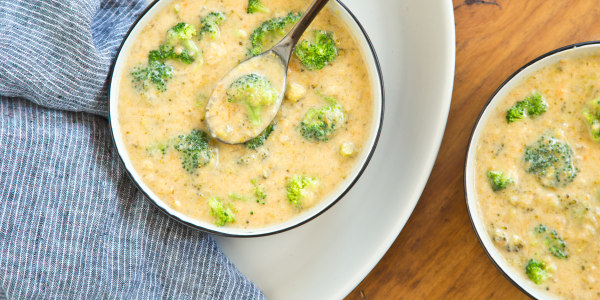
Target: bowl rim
467,154
379,123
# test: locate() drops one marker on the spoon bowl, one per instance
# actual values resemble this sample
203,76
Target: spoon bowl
227,121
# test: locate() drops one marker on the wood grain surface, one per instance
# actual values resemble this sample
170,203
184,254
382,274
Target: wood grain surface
437,256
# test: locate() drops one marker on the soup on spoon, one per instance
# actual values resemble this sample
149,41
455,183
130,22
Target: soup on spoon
248,98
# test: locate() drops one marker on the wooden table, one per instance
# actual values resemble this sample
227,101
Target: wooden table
437,256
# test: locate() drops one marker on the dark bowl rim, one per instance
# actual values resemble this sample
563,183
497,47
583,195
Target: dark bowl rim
210,231
483,110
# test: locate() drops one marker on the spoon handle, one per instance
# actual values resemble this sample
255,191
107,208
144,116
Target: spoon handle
285,47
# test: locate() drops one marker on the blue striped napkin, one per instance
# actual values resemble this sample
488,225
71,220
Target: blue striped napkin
72,224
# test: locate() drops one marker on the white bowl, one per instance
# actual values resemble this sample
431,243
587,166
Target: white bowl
375,77
517,277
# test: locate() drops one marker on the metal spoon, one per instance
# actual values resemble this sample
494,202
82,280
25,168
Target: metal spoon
219,112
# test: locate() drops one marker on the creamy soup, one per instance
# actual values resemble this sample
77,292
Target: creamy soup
313,145
538,178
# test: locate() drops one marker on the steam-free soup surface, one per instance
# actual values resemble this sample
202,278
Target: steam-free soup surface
543,214
159,128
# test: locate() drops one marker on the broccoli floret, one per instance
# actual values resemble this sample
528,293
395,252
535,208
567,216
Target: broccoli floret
223,213
210,25
511,243
499,180
259,192
319,124
591,115
540,228
274,28
254,91
252,88
194,150
316,55
537,271
181,31
532,106
256,6
556,245
298,188
178,45
156,73
551,160
516,112
261,138
536,104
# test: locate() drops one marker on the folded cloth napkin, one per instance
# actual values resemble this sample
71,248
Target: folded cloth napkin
72,224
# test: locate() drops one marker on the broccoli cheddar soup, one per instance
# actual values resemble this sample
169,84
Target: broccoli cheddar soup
315,142
537,178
